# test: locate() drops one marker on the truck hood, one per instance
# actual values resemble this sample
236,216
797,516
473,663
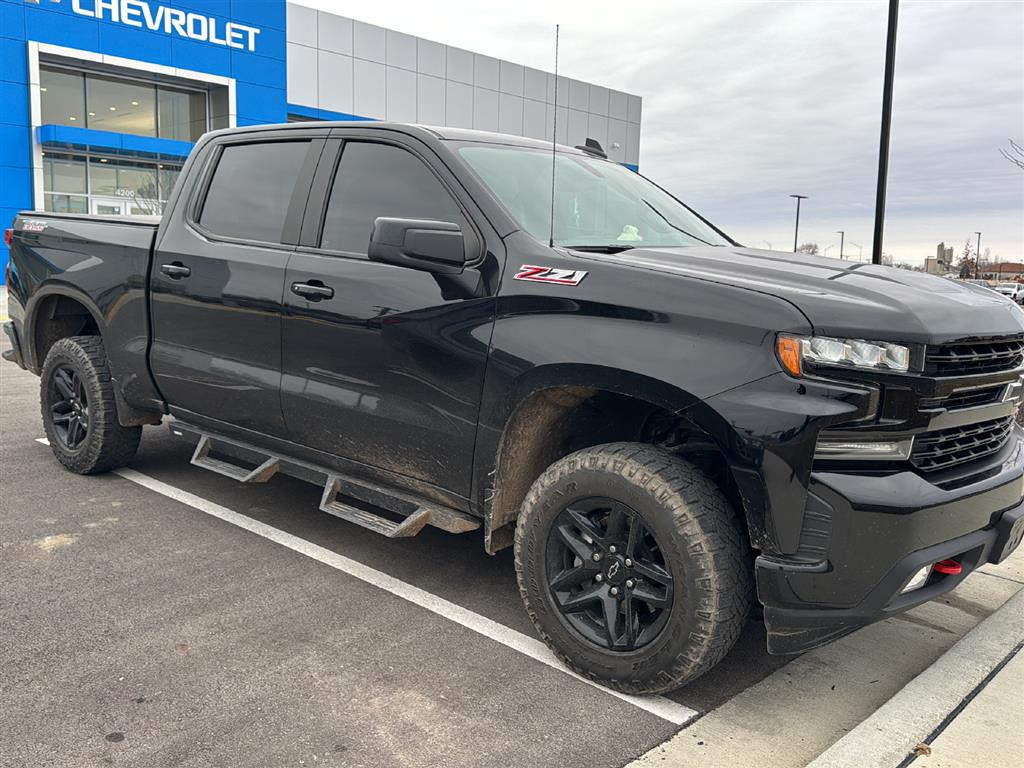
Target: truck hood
843,298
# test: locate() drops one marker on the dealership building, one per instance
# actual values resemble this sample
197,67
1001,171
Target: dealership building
104,99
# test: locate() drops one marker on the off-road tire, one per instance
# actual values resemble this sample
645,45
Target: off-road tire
107,444
703,541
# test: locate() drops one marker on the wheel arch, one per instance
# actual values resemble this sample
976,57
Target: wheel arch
56,312
554,410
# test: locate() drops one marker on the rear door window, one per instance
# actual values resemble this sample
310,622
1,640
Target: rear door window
251,189
376,180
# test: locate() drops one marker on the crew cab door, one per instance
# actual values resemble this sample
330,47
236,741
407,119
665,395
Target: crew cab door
383,364
218,275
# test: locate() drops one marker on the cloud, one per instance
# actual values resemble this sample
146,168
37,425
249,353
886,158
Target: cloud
747,102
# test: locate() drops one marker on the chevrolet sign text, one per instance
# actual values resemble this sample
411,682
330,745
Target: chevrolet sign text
160,18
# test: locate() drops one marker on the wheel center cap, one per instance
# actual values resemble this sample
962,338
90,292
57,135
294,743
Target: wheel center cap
615,571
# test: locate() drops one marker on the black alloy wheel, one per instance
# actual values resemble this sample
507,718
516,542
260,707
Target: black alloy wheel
607,574
69,407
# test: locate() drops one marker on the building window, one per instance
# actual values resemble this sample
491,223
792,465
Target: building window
122,105
108,186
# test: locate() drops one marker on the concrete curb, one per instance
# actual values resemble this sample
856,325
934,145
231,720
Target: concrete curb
885,738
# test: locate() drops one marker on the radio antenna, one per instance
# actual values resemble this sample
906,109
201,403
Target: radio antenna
554,134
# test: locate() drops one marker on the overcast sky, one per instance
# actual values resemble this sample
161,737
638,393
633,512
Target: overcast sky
745,103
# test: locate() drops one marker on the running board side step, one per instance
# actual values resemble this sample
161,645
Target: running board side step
410,526
354,500
262,473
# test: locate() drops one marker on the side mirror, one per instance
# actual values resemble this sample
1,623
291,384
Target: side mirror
430,246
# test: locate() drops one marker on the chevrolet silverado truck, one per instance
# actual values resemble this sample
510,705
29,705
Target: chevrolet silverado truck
668,427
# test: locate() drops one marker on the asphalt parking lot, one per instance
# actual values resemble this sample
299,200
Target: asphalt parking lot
170,616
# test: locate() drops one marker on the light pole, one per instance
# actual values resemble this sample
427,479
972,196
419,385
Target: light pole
796,231
860,250
842,238
977,258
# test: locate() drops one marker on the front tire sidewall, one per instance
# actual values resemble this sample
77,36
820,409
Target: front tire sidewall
646,667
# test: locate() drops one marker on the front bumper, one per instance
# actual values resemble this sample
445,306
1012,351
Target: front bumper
874,534
14,354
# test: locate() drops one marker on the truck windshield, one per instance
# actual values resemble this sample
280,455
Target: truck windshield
599,205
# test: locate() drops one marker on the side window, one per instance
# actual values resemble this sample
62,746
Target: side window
251,188
381,180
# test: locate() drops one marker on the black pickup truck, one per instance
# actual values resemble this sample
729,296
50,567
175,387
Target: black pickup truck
663,423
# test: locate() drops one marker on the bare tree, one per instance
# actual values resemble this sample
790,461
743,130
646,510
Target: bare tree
1015,154
809,248
965,267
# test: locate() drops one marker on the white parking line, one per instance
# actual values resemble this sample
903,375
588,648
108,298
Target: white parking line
510,638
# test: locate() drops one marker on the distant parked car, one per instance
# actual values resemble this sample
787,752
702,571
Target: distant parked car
983,283
1014,291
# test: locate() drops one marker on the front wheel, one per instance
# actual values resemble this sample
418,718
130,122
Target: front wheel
633,567
79,414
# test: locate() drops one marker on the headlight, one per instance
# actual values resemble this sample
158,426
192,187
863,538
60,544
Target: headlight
823,350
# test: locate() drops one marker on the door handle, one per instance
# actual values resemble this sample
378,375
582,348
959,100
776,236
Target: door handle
175,270
314,290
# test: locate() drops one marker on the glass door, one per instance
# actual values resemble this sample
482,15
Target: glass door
107,206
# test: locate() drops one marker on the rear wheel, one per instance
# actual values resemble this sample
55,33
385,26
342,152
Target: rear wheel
79,414
633,567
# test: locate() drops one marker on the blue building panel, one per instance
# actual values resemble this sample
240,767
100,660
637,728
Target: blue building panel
239,39
12,20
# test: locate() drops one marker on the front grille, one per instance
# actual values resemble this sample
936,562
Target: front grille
956,445
988,356
968,398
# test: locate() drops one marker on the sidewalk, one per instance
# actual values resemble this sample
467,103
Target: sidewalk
962,711
988,730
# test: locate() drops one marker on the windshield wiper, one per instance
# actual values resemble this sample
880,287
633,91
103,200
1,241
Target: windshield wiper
610,248
678,229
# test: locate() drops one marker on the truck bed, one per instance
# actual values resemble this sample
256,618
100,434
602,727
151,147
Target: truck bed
81,269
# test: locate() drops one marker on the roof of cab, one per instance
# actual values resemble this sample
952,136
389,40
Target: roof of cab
437,132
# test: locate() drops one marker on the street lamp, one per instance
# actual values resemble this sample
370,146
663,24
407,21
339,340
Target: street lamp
842,237
860,250
796,231
977,258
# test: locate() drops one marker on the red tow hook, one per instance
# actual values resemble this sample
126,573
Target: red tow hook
948,567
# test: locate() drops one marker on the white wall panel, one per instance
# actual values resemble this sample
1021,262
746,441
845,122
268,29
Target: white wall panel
368,89
430,99
301,25
348,66
511,78
634,109
578,127
458,104
616,135
485,109
632,143
597,128
302,75
535,84
485,71
459,66
335,83
535,119
430,58
618,105
401,95
510,114
579,95
562,125
334,33
368,42
401,50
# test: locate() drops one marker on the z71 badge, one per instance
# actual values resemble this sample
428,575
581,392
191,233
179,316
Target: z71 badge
550,275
